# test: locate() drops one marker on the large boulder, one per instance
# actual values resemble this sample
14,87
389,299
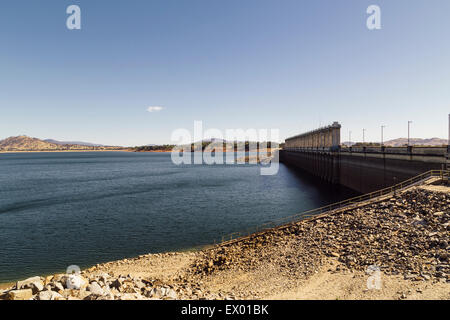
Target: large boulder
27,282
171,294
37,286
49,295
24,294
95,288
75,282
58,286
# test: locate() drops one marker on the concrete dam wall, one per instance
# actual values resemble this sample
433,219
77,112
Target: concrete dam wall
366,170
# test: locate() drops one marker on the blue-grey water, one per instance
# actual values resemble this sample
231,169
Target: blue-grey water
60,209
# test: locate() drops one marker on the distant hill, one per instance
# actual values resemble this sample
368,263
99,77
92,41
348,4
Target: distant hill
209,143
401,142
348,143
25,143
79,143
416,142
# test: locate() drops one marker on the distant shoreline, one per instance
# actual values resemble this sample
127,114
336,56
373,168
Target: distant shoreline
157,151
113,150
223,151
58,151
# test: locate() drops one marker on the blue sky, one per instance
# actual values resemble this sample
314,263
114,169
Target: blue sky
287,64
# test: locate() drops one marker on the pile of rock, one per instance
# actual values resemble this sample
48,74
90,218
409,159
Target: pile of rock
407,234
99,287
106,287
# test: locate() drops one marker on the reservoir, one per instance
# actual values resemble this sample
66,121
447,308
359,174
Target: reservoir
83,208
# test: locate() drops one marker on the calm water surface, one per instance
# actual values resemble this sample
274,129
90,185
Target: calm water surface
59,209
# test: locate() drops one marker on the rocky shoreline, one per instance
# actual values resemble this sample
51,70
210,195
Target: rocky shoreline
406,237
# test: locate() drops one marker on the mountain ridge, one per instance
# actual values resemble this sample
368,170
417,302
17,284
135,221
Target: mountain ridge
416,142
402,142
79,143
26,143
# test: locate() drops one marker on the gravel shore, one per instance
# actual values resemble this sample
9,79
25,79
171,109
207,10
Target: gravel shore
403,240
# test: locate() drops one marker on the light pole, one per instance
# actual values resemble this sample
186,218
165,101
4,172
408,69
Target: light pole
409,123
447,164
364,136
382,132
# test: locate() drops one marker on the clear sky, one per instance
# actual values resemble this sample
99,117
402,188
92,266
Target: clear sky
287,64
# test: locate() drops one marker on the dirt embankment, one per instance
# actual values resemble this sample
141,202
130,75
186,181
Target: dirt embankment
397,248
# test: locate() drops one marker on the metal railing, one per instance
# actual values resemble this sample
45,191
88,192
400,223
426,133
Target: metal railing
335,207
411,150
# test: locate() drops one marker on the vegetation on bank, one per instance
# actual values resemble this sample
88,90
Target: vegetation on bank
207,145
160,148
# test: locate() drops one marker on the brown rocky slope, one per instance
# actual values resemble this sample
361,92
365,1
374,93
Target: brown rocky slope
25,143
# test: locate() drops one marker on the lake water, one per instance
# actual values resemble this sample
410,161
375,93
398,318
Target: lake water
60,209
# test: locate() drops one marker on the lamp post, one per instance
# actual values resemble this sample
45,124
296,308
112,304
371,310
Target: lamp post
447,163
409,123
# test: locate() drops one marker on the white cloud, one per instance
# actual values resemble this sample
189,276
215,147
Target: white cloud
154,109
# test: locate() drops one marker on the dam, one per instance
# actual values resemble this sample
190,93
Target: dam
363,168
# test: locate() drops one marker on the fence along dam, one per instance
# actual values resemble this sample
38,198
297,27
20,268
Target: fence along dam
362,168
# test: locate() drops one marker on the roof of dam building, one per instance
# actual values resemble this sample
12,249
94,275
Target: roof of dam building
335,125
